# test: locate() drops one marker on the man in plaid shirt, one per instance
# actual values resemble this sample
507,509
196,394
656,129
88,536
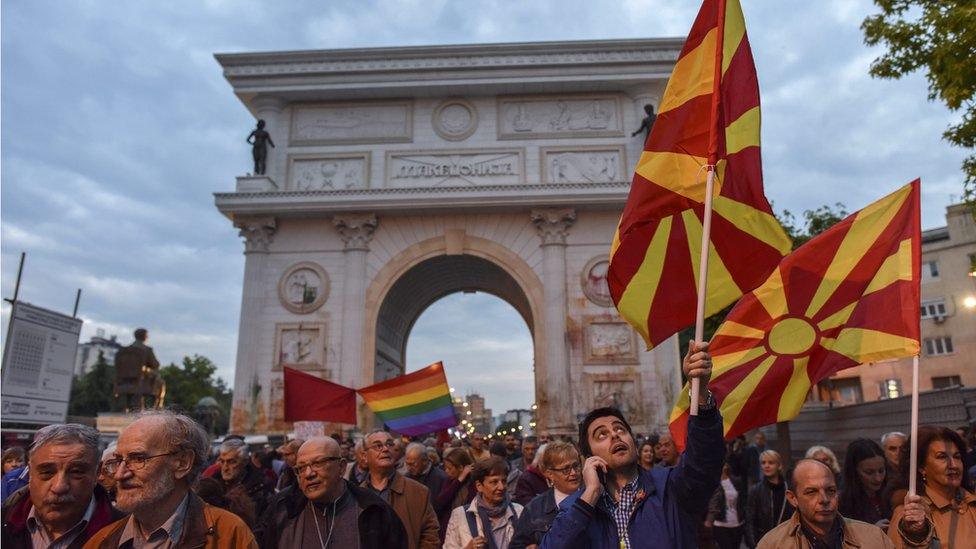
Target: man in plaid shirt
622,506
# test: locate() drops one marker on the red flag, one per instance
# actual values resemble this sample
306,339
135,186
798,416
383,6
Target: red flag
308,398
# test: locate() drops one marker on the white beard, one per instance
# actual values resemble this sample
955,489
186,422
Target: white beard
152,492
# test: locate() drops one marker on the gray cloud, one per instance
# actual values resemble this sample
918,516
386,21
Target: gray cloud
117,127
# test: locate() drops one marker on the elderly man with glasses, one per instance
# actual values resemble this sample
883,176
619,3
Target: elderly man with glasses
325,510
409,498
62,506
237,471
157,459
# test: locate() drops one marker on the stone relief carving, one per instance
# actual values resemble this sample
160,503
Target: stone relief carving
608,342
455,119
582,165
303,288
300,346
326,173
593,280
454,168
326,124
617,390
569,116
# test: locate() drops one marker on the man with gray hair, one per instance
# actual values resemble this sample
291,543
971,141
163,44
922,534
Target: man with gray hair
157,459
236,470
420,468
288,452
62,506
891,443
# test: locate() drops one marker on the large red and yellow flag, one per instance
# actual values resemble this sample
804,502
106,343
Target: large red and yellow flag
709,116
848,296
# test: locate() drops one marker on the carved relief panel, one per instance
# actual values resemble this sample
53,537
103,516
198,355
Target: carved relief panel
300,346
593,280
455,119
620,390
454,168
334,123
582,164
303,287
608,341
323,172
532,117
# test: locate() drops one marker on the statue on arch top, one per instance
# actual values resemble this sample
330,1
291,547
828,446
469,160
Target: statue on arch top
260,139
647,123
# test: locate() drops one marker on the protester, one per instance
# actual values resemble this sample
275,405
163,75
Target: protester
105,479
943,511
325,510
512,452
433,456
645,455
357,471
727,511
236,468
891,443
458,490
497,448
530,447
751,455
489,520
864,479
288,453
817,524
13,458
767,505
562,467
826,456
13,481
479,450
409,498
658,508
665,451
158,457
420,469
263,461
532,481
236,500
62,505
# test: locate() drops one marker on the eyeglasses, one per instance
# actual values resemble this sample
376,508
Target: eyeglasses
318,465
378,446
576,467
135,462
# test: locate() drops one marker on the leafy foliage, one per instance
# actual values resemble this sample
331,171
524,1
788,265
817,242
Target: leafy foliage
940,37
507,426
92,392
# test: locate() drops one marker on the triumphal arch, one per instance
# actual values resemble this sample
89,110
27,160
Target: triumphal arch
402,175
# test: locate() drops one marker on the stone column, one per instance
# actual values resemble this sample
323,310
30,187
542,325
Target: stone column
356,230
249,388
270,109
553,224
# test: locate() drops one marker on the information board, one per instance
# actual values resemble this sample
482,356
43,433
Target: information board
38,365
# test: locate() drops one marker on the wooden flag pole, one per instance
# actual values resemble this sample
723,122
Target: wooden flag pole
703,280
913,455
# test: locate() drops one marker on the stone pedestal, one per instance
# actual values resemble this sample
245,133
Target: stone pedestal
255,184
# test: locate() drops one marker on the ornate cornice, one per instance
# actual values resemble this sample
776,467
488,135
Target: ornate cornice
550,187
553,224
356,230
258,232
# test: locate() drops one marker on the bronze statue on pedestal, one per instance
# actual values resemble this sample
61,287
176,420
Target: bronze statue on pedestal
137,374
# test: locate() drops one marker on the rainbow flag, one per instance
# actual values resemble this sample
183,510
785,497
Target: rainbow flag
413,404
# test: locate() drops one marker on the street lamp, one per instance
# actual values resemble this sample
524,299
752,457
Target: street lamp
969,302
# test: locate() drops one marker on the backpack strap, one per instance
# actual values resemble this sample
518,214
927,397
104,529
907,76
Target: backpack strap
472,523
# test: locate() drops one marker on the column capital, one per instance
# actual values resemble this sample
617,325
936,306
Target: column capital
356,230
553,224
265,103
258,232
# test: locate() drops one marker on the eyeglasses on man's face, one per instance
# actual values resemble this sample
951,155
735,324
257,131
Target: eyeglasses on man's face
378,446
135,462
319,465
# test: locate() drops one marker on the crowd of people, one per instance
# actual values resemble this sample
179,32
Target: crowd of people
162,484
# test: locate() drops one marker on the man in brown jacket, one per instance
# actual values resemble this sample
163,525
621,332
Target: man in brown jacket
813,491
408,497
156,461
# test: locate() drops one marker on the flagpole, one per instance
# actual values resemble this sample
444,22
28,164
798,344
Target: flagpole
913,457
702,281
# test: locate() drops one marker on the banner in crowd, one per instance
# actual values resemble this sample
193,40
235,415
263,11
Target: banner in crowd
709,116
309,398
413,404
849,296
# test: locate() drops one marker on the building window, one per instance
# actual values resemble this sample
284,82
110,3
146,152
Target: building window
848,390
934,308
930,270
890,388
938,346
945,382
972,265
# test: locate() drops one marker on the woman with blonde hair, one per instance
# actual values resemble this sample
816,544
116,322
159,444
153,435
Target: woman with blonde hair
766,505
826,456
564,472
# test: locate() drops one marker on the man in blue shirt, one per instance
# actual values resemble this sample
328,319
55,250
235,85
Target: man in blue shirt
622,506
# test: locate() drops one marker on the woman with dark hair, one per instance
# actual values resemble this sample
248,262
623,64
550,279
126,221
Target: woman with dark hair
457,490
727,511
645,455
943,513
13,458
864,478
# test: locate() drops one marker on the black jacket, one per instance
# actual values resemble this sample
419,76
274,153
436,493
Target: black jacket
434,481
535,520
257,486
379,526
717,506
765,509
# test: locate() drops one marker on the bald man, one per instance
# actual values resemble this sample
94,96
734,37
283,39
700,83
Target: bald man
325,510
813,491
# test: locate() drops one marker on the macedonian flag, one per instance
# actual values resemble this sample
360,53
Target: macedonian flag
848,296
709,116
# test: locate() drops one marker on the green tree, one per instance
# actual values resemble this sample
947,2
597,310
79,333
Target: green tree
938,36
92,392
192,380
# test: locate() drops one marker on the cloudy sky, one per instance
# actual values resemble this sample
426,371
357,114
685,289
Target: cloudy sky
117,127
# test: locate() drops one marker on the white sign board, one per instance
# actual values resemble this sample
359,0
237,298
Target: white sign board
38,365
